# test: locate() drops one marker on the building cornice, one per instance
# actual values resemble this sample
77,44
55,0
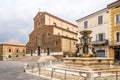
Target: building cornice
63,29
13,44
90,15
56,18
69,38
114,4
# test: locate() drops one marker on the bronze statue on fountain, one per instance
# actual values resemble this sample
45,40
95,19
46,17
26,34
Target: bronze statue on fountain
85,47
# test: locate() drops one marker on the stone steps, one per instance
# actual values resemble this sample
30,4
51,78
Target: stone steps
26,58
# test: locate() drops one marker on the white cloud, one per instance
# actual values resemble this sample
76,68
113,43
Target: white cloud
17,15
12,40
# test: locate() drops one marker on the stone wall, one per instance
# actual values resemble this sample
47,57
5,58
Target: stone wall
1,52
49,32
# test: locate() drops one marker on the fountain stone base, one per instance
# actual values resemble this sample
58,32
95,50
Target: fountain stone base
86,59
90,65
90,62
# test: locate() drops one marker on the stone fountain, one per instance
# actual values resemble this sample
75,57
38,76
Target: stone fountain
85,62
85,47
87,55
86,59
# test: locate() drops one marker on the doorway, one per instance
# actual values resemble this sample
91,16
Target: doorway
100,53
48,52
39,51
31,53
117,55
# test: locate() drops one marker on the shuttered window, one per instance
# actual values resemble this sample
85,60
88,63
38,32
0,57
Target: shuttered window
118,37
100,53
85,24
100,20
117,18
100,37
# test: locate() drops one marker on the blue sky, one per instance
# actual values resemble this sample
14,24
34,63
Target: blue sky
16,16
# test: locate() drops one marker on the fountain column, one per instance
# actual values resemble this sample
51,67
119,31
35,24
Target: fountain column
80,47
90,76
85,47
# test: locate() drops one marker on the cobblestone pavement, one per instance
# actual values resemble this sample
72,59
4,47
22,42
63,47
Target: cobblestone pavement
13,70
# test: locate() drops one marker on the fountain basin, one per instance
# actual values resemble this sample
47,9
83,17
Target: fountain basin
91,62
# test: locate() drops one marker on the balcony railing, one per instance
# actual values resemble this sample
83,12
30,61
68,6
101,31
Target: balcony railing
104,42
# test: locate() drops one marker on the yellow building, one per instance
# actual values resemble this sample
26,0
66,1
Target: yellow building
114,11
9,50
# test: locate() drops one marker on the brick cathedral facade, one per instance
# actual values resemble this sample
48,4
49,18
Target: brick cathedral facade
51,35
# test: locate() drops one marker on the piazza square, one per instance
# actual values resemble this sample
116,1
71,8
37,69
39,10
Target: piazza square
57,49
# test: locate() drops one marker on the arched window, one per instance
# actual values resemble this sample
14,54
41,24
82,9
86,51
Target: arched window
74,43
38,23
58,33
43,37
48,34
54,24
10,50
17,50
56,43
23,51
68,28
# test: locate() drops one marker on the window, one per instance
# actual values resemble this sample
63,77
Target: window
10,50
58,33
17,51
48,34
56,43
118,19
100,53
85,24
23,51
100,37
100,20
67,28
74,43
118,36
38,23
54,24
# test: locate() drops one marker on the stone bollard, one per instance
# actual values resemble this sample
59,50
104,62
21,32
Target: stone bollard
111,63
89,75
25,67
50,63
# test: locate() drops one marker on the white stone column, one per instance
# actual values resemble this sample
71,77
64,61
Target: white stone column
90,76
81,50
90,49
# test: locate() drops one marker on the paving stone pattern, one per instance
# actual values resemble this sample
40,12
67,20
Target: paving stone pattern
13,70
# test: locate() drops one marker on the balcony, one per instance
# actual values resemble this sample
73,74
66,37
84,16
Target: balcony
104,42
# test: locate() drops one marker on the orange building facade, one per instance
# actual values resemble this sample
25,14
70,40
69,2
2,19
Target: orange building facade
8,50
